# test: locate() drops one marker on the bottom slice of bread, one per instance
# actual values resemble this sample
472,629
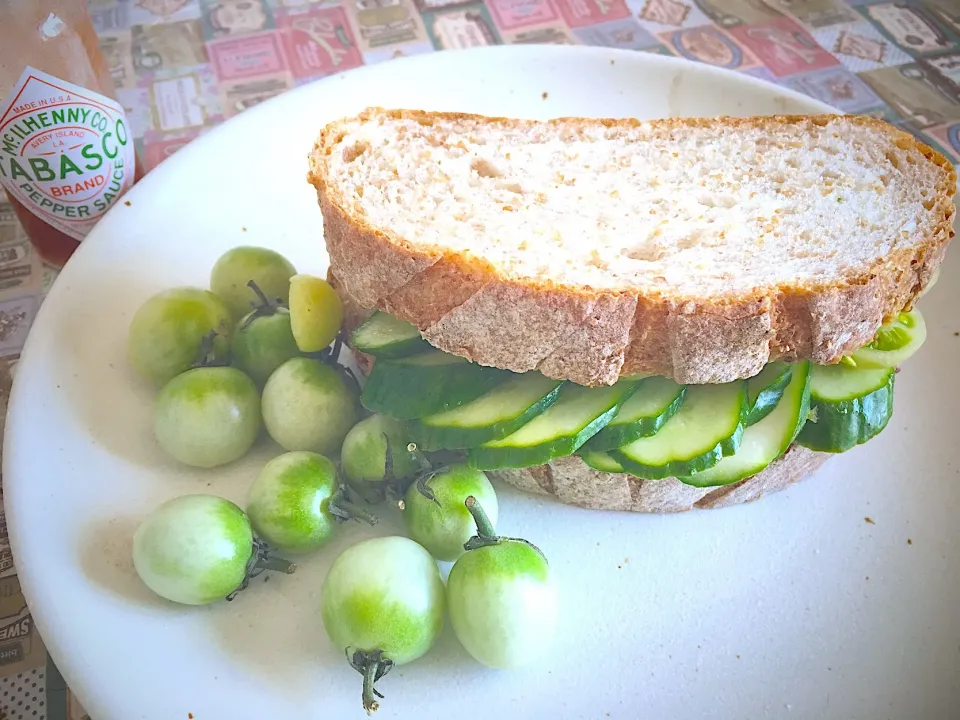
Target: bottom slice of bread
571,481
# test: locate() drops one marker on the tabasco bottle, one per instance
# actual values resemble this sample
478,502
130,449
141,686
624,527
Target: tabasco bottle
66,147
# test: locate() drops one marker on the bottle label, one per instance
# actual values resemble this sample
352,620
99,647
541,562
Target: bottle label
66,153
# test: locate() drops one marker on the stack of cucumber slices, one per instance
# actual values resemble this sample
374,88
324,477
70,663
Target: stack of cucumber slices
647,426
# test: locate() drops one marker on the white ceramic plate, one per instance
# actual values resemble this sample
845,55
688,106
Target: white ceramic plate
792,607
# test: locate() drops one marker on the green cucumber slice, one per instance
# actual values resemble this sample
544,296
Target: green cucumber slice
601,461
655,401
765,389
492,416
383,335
418,385
764,441
848,406
707,427
577,415
895,343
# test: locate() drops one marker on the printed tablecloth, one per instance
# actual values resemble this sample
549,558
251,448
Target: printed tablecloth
183,66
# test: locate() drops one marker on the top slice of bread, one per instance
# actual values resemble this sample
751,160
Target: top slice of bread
698,249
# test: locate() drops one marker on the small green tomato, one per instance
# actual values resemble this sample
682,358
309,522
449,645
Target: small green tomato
374,453
502,598
307,405
295,502
435,514
208,416
167,332
263,340
231,275
382,602
197,549
316,312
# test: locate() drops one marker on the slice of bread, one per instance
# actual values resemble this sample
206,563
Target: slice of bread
571,481
698,249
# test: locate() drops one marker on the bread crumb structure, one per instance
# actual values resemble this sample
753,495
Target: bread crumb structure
698,249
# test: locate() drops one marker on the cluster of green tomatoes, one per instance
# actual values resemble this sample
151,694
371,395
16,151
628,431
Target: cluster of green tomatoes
260,350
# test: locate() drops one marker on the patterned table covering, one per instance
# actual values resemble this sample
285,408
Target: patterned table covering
183,66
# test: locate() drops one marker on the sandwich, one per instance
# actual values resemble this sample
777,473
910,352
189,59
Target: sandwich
635,315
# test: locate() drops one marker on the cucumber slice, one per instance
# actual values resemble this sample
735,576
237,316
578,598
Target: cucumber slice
707,427
601,461
492,416
764,441
577,415
895,342
848,406
765,389
427,383
383,335
654,402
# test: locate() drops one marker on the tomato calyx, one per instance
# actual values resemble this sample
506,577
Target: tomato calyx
331,356
431,465
343,509
393,487
423,487
428,471
486,535
262,306
207,355
261,559
373,666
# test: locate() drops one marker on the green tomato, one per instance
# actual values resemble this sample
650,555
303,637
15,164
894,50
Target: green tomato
443,524
289,504
237,267
503,601
194,549
208,416
382,602
167,332
262,343
363,455
316,312
307,405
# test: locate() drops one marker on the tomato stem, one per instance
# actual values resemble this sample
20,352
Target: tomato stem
485,529
265,302
486,535
342,509
261,560
277,565
369,675
331,356
424,489
372,666
426,465
207,357
262,306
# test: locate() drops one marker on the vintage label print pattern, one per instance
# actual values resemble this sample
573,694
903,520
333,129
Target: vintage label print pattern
255,49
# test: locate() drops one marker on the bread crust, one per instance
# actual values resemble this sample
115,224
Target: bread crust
571,481
464,306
